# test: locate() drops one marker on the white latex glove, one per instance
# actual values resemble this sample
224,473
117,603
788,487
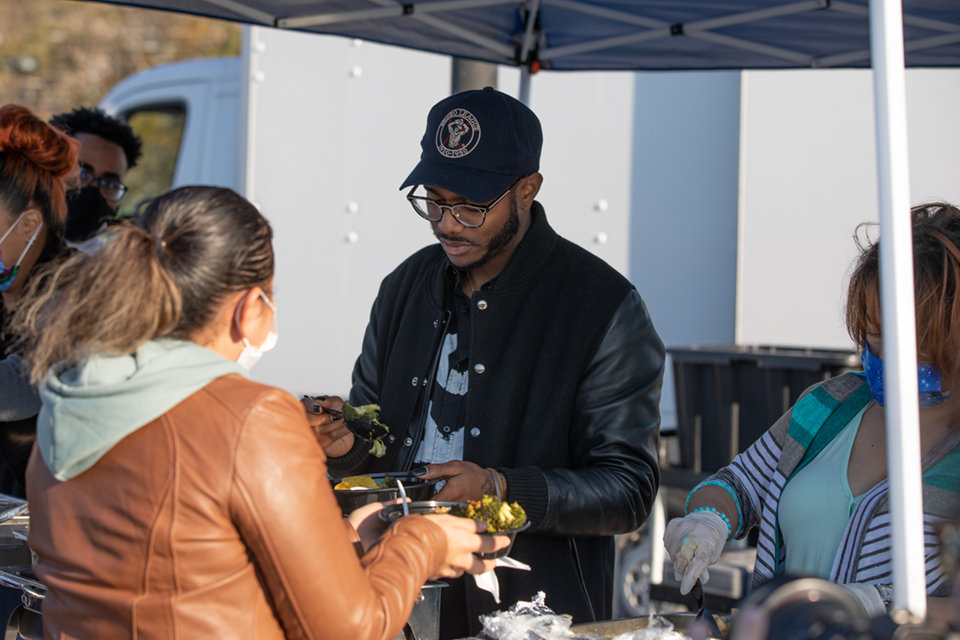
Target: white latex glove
694,542
869,598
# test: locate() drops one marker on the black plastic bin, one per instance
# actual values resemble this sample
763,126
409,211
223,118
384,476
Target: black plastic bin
729,395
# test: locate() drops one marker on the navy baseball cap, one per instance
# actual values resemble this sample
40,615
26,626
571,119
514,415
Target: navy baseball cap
476,144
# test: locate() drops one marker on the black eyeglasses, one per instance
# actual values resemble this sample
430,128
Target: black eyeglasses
469,215
111,188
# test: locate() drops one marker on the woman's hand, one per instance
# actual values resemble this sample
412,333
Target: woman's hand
463,541
368,524
332,435
694,542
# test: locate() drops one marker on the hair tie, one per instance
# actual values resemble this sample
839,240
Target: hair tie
160,244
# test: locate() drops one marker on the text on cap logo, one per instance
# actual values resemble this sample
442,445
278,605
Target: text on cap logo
458,134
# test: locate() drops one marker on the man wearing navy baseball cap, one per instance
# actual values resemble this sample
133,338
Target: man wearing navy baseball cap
510,362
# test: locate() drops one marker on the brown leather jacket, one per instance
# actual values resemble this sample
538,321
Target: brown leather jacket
217,521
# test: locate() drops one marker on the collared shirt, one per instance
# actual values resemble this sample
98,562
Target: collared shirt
447,413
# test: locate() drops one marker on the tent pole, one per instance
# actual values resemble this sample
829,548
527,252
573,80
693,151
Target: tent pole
466,75
524,94
897,309
250,77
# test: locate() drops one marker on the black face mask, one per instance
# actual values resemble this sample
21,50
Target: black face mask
87,209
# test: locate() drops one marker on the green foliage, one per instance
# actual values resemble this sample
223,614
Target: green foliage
79,50
160,130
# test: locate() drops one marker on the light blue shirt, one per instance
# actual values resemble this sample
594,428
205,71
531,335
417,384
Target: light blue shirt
816,506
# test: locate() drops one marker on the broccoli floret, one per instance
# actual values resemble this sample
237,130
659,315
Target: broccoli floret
364,412
368,412
499,516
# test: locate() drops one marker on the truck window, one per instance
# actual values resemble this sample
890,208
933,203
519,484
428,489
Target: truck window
160,128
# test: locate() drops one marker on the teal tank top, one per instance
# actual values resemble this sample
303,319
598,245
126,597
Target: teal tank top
816,506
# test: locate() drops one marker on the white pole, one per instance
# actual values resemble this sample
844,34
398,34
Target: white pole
897,309
524,85
250,76
658,526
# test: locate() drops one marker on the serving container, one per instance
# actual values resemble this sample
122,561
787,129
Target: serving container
417,489
393,512
424,621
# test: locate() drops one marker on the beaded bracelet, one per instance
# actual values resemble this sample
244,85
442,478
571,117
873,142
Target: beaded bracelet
733,496
719,513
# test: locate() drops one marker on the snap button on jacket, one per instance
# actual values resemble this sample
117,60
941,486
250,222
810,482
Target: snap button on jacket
217,520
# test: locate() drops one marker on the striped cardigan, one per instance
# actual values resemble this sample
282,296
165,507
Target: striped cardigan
757,476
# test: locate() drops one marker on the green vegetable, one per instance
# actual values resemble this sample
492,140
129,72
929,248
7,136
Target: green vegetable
499,516
366,412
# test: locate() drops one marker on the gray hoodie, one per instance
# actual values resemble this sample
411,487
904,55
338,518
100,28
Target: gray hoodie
90,408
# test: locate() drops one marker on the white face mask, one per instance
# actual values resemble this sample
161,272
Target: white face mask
251,355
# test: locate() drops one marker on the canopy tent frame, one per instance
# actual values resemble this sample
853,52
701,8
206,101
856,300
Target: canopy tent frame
653,29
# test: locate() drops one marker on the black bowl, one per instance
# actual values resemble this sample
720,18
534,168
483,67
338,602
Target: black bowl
416,488
393,512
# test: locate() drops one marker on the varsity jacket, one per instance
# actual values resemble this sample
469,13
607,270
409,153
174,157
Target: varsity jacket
564,391
756,479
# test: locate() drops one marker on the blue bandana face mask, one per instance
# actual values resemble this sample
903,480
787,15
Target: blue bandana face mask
9,274
931,393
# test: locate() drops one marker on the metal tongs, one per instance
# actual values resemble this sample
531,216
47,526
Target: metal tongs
403,497
364,427
704,615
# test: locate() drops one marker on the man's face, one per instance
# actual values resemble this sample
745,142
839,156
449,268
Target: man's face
104,159
471,248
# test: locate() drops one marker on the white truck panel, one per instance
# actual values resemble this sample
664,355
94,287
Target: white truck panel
809,176
332,142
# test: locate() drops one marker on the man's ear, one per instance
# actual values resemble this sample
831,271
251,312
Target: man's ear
527,191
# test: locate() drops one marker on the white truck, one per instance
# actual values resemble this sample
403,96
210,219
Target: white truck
728,198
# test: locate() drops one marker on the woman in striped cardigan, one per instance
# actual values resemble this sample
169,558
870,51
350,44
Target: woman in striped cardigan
816,482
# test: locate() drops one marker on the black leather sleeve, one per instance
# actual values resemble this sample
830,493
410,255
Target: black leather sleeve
614,475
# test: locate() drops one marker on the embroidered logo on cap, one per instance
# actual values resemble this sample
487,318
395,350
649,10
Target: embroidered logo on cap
458,134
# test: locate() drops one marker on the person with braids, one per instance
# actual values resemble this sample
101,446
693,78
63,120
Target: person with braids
169,494
816,483
34,160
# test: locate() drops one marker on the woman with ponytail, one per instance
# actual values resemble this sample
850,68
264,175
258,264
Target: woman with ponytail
170,495
35,158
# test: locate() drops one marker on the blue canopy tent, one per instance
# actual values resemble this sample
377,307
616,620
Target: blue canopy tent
582,35
578,35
